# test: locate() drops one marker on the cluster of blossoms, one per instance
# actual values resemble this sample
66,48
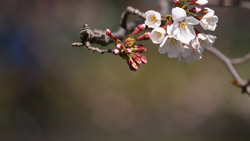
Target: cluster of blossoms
130,51
178,37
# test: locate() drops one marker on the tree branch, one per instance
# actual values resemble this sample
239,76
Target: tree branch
241,60
243,84
89,36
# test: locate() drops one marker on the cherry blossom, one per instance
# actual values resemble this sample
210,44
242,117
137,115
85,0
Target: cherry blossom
183,26
209,21
153,19
170,45
157,35
206,41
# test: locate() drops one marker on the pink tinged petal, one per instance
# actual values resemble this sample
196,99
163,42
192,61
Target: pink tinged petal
201,2
191,21
116,51
178,14
144,59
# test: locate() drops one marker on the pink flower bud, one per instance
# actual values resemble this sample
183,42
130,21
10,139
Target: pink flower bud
118,46
137,59
132,65
145,36
195,10
139,28
143,59
114,37
128,51
116,51
140,48
108,32
176,1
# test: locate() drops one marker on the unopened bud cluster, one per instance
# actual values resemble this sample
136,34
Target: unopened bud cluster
130,51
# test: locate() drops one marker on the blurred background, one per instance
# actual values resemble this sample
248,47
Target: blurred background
50,91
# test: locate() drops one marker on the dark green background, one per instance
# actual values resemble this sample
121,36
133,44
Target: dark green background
50,91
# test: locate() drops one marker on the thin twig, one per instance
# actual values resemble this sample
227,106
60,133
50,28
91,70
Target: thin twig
95,49
89,36
241,60
230,67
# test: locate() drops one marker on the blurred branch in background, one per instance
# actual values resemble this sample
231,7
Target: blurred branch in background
89,36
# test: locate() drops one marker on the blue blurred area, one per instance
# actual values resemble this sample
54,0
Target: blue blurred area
50,91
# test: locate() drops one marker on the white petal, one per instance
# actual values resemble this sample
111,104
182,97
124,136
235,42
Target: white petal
214,19
191,21
211,38
201,2
202,36
186,51
163,48
173,53
178,14
164,41
157,35
174,29
208,10
186,34
209,23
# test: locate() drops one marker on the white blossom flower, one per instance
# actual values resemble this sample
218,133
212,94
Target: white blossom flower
201,2
170,45
192,52
206,41
209,21
157,35
183,29
153,19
